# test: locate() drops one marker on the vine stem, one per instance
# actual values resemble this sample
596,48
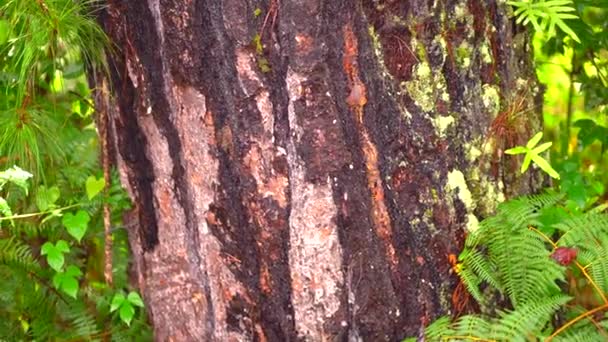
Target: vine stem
13,217
470,338
576,319
580,267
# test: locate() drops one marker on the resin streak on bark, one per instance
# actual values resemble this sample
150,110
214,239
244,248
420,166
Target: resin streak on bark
357,99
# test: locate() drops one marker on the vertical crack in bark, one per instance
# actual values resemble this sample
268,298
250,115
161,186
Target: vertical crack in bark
356,101
267,200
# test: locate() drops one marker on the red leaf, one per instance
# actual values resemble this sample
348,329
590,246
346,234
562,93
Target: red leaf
564,255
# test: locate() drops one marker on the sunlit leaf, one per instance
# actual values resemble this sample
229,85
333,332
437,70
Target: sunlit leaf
76,224
94,186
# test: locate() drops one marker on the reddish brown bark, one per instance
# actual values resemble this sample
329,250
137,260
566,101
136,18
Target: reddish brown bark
314,186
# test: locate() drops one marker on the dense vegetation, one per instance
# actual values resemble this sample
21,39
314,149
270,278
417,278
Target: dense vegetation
538,269
52,234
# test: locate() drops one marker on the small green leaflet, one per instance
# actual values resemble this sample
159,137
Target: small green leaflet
124,305
94,186
135,299
544,15
76,224
68,281
4,208
532,154
54,253
46,197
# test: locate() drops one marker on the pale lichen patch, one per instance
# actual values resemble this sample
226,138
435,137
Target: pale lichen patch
471,151
486,55
425,87
457,183
442,123
463,54
491,98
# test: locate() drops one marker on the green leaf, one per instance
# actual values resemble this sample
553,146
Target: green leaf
69,285
68,281
257,12
94,186
5,209
517,150
54,254
73,271
76,224
534,141
62,246
567,30
541,148
46,248
135,299
126,313
5,31
526,163
46,197
545,166
117,301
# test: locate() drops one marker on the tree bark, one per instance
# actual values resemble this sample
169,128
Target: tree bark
303,169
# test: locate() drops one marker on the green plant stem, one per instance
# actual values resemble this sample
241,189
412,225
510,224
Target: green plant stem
22,216
470,338
570,105
576,319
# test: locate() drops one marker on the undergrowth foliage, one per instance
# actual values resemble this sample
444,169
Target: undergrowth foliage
51,221
547,263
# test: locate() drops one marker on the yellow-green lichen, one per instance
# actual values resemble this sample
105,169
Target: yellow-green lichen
463,54
442,123
486,56
435,195
425,87
492,194
457,183
471,151
491,98
378,51
460,11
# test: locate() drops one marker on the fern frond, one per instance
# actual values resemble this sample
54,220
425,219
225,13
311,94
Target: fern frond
544,15
527,320
82,322
15,253
580,229
466,328
593,256
504,253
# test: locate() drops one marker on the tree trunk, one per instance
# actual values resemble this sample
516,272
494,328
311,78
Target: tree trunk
303,169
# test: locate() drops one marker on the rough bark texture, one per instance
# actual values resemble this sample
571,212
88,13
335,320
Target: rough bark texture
311,184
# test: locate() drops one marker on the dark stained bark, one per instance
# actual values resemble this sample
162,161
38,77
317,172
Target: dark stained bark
313,187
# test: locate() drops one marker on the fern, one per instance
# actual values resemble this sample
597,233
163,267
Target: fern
545,15
510,255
